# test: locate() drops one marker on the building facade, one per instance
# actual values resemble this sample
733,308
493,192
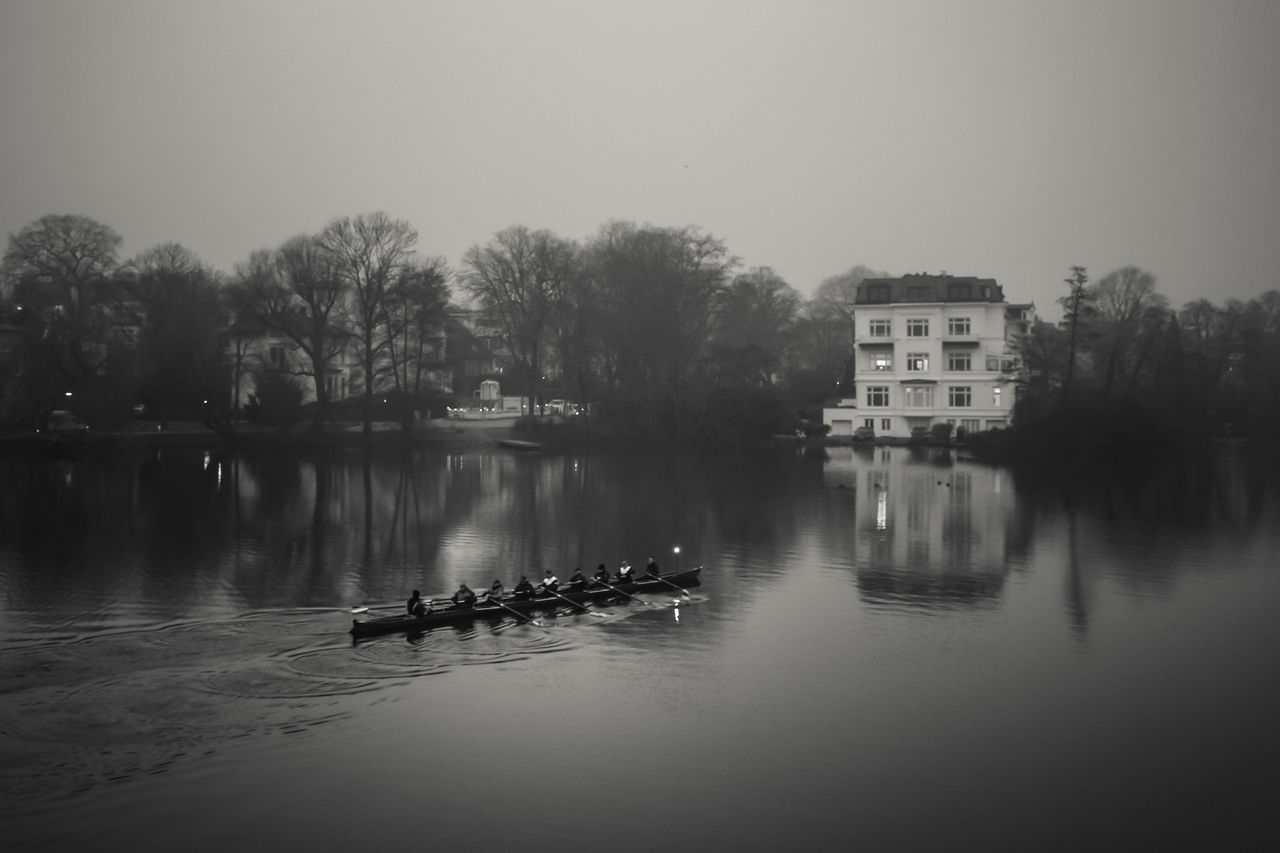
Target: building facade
931,349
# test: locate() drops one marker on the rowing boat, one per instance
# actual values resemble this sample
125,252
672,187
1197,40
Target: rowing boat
672,582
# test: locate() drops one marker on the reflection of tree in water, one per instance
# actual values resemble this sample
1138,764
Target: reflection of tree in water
1137,518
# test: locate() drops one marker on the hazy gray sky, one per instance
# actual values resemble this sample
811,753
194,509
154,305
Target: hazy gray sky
1002,139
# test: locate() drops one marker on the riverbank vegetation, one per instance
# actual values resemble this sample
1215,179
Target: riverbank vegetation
657,333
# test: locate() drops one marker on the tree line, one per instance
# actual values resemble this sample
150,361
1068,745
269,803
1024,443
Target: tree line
660,328
1124,368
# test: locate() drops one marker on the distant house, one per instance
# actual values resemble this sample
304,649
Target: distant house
252,349
931,349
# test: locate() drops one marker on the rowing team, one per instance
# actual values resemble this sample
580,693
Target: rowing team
550,585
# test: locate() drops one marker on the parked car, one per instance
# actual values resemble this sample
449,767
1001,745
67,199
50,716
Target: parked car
61,422
864,433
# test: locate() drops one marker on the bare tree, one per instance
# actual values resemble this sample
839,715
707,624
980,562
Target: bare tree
657,289
368,253
298,293
838,293
61,265
520,279
1125,299
414,320
173,297
753,327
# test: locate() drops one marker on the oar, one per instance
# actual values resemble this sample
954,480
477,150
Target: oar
620,592
518,614
683,592
581,607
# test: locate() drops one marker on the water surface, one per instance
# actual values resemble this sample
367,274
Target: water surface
892,648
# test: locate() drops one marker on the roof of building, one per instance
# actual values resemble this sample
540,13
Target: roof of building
923,287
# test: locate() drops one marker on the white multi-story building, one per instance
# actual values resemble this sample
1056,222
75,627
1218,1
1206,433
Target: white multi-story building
931,349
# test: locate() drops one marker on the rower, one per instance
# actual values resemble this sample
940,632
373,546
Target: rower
464,597
524,589
549,582
494,593
625,573
415,606
651,569
578,582
602,575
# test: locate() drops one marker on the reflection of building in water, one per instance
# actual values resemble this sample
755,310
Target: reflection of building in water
928,530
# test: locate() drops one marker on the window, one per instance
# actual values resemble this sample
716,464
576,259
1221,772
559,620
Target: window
917,396
959,396
877,293
995,397
885,424
881,329
878,395
958,361
958,326
993,362
917,361
959,290
275,355
917,328
882,360
869,423
969,425
919,293
334,387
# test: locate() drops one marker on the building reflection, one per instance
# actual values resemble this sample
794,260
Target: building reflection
929,531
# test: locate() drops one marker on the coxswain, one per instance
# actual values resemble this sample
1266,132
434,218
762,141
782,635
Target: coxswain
651,569
494,593
625,573
524,589
578,582
549,582
415,606
464,597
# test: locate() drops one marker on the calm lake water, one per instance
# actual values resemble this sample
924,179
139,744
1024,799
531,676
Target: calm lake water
892,649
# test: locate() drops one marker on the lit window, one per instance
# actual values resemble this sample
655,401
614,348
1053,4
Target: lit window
995,397
882,361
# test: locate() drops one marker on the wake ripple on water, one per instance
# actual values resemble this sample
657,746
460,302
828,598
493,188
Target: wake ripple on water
81,712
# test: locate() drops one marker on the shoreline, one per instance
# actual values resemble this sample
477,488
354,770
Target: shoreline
437,433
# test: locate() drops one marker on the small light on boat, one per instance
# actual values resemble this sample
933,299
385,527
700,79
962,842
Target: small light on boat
206,461
677,611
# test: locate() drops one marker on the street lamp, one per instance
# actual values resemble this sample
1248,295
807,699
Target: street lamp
676,551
